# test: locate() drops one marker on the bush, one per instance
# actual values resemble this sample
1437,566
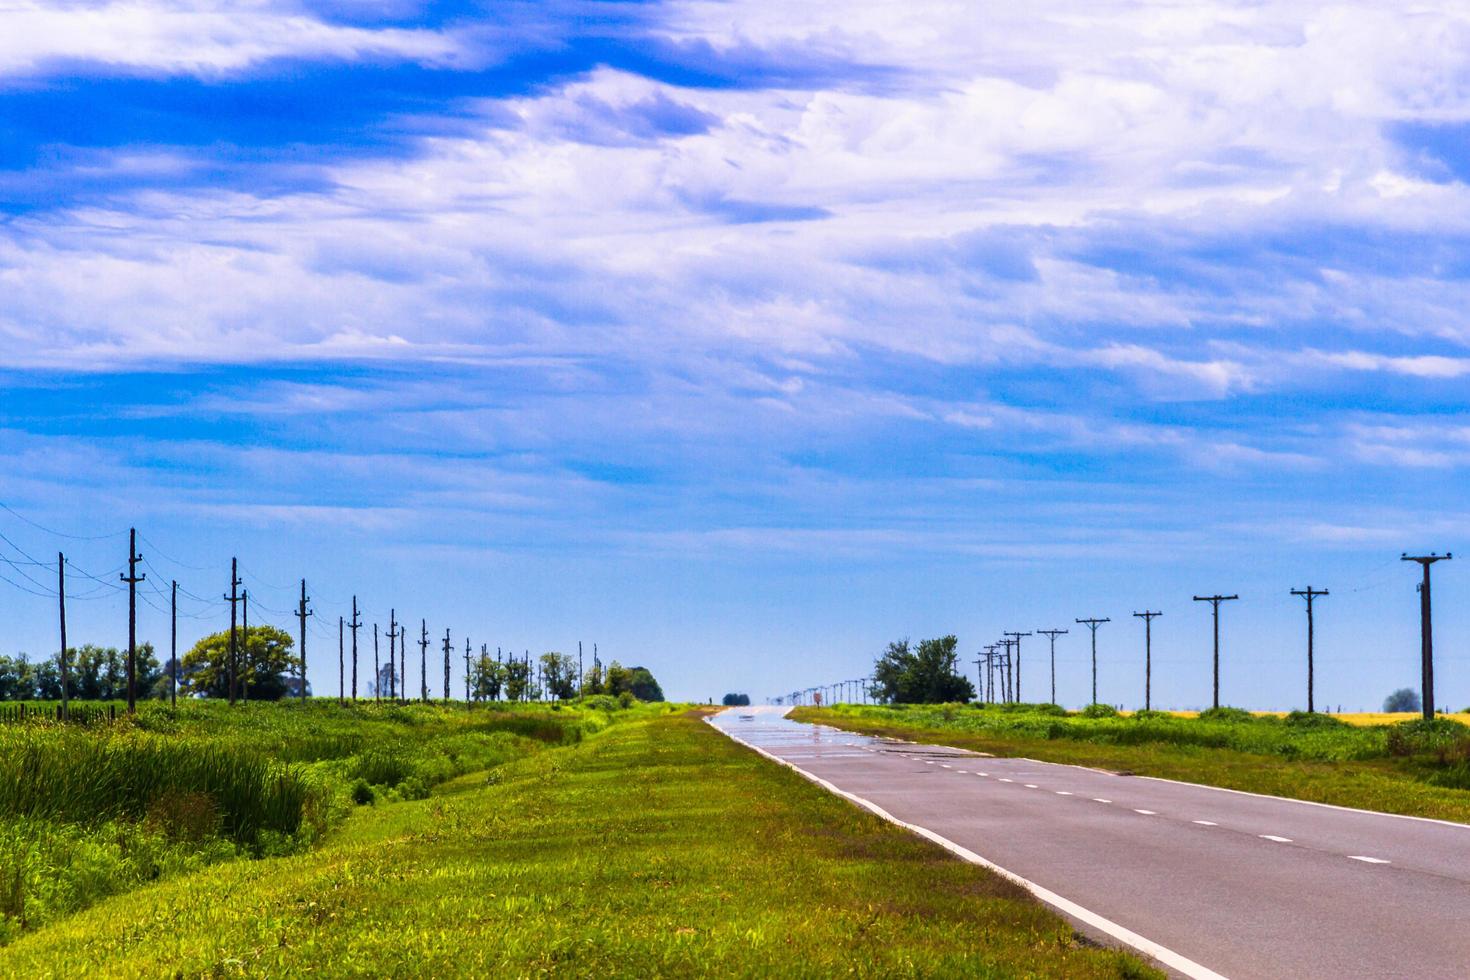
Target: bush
1226,714
625,700
362,793
1404,699
1047,708
1150,714
1311,719
1099,711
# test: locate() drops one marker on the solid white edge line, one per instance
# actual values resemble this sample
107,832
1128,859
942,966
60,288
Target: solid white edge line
1148,947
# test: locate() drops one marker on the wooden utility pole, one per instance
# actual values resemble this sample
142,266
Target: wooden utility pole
403,662
245,646
1052,635
447,695
1148,656
233,598
424,660
1093,624
341,661
1214,601
580,677
173,644
393,654
1017,638
467,672
65,673
1426,629
133,578
355,625
1310,594
377,668
301,613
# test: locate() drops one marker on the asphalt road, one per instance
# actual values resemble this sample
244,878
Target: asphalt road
1225,883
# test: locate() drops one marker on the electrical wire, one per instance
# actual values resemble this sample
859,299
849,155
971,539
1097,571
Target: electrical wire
60,534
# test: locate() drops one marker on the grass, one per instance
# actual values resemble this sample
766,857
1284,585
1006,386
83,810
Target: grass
656,848
90,812
1413,768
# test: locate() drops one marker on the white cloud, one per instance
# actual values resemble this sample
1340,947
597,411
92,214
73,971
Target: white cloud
199,38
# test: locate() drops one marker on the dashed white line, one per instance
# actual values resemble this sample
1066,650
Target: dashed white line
1062,792
1369,860
1099,800
963,772
1147,813
1279,840
945,765
1005,780
1031,786
1207,823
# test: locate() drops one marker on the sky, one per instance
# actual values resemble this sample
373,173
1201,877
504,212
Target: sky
741,338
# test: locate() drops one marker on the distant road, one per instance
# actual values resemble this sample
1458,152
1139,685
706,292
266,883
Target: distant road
1211,882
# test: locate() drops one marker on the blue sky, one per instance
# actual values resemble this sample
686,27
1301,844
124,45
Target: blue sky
741,338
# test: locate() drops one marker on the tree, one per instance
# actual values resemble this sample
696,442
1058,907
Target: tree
1404,699
101,673
643,686
559,672
517,679
619,680
13,680
595,680
264,661
920,675
488,678
735,700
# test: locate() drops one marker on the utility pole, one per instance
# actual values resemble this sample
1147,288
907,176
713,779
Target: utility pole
1052,635
979,676
1017,638
1426,628
1093,624
65,674
447,694
133,578
424,660
301,613
393,654
355,625
173,647
990,674
1148,656
377,668
233,598
341,666
580,675
467,672
403,661
245,645
1310,594
1214,601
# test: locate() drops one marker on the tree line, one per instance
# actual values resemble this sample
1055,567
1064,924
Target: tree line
268,671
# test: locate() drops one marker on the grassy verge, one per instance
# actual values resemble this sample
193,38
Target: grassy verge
656,848
91,812
1411,768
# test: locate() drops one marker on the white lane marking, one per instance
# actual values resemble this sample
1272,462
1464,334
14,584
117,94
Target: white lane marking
928,762
962,772
1062,792
1005,780
1369,860
1279,840
1147,947
945,765
1030,785
1098,800
1207,823
982,773
1147,813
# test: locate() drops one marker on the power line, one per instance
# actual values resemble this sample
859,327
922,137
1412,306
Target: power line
60,534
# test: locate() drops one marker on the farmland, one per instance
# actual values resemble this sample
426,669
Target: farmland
1413,767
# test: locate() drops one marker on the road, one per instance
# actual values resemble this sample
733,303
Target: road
1210,882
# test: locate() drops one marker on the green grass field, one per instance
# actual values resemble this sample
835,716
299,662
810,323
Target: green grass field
652,847
1412,767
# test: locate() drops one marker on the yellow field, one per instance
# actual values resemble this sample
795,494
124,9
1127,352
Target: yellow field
1352,718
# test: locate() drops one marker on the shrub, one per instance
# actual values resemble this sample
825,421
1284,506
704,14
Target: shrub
362,793
1150,714
1311,719
1226,714
1047,708
1099,711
